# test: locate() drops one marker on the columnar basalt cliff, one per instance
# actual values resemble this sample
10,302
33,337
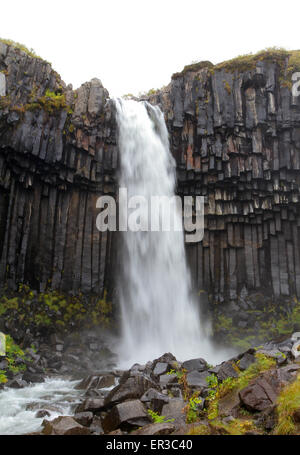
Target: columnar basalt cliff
57,156
234,132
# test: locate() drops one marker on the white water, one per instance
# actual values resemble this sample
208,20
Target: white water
16,419
159,313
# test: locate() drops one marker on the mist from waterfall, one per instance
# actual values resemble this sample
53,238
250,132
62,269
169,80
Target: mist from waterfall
158,311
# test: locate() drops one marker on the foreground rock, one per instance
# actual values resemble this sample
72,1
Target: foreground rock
64,426
128,415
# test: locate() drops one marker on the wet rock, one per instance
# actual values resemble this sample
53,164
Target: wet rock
129,388
96,382
154,398
197,380
195,364
96,426
64,426
258,396
17,383
267,419
226,370
246,361
174,410
42,413
32,377
127,415
91,405
84,418
161,368
166,379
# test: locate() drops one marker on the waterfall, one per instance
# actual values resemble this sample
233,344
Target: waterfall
158,312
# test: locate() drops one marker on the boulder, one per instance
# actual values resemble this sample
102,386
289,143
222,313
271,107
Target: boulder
166,379
246,361
258,396
84,418
197,380
91,405
161,368
42,413
174,410
226,370
64,425
129,388
195,364
96,382
17,383
155,399
128,415
32,377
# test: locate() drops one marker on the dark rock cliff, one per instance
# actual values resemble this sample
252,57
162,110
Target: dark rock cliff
57,156
235,134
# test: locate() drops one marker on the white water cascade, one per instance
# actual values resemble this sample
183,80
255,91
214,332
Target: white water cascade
158,311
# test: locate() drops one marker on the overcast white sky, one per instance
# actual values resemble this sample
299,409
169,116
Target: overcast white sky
135,45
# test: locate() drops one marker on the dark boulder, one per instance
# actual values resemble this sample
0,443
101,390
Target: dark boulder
195,364
128,415
84,418
129,388
64,425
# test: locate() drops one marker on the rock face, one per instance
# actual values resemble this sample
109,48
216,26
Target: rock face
235,135
57,156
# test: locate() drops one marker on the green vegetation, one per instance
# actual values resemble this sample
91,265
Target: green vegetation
15,358
218,391
288,62
287,403
51,102
275,321
193,67
157,418
53,309
21,47
199,430
191,409
235,427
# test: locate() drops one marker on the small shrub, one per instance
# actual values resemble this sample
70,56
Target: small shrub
157,418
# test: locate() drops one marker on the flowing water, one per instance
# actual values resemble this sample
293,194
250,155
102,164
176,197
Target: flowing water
159,313
18,407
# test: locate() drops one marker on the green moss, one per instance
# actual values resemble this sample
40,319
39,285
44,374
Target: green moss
236,427
199,430
227,87
56,310
287,61
51,102
193,67
21,47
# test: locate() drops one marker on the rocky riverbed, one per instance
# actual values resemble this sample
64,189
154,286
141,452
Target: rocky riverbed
243,395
